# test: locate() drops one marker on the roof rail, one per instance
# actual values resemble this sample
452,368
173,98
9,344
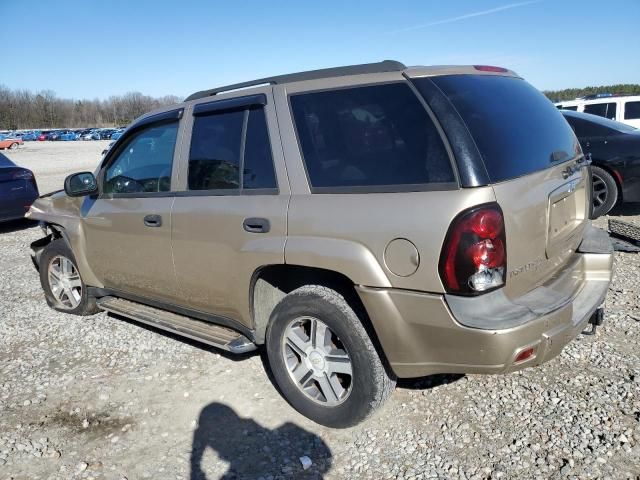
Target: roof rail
380,67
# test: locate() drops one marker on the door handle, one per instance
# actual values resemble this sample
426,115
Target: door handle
153,221
256,225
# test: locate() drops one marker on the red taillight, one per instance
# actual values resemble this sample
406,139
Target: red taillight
490,68
474,257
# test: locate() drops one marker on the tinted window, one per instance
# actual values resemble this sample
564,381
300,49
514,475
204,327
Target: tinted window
214,157
369,136
144,162
606,110
573,108
632,110
258,163
516,128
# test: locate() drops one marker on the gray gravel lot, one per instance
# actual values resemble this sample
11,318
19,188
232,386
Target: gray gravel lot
105,398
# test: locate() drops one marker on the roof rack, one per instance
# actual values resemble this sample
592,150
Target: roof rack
379,67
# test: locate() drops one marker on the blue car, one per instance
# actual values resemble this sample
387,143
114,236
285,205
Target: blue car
68,136
18,190
117,134
30,136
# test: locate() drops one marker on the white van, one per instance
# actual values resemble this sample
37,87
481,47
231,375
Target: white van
625,109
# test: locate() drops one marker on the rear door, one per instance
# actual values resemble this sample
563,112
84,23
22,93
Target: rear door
536,167
230,217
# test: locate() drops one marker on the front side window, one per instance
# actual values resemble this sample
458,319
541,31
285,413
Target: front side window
144,162
632,110
374,136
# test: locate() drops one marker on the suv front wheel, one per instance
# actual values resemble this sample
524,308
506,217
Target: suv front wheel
61,281
323,360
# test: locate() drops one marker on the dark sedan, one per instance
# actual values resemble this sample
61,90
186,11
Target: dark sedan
18,190
615,151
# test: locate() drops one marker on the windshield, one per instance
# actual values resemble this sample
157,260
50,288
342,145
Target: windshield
517,130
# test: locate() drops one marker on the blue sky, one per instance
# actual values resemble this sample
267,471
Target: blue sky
88,48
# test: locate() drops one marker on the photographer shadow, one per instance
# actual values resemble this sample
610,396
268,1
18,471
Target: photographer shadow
253,451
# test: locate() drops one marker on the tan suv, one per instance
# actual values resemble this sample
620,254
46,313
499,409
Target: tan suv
363,223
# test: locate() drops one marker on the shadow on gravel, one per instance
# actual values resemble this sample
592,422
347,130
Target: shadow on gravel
16,225
431,381
253,451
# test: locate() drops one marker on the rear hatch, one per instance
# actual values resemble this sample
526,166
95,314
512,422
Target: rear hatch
536,167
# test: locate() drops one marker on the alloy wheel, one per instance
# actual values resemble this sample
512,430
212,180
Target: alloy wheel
317,361
65,282
600,191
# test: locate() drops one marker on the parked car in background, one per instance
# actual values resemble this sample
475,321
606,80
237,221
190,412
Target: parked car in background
18,190
68,136
54,135
615,153
10,141
106,133
117,134
44,135
363,223
30,136
623,108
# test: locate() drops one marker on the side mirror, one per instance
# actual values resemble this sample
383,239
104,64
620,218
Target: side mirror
80,184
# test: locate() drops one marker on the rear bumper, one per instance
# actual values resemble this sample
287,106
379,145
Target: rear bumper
421,335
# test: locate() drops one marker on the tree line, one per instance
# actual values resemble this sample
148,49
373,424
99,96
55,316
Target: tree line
23,109
573,93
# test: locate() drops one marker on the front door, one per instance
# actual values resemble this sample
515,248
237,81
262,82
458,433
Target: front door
128,227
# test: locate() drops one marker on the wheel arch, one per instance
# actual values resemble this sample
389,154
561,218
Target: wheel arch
271,283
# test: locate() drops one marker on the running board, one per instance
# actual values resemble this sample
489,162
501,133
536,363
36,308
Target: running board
205,332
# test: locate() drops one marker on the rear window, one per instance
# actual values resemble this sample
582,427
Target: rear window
517,130
374,137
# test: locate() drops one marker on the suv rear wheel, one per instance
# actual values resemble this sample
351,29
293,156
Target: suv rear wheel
61,281
323,360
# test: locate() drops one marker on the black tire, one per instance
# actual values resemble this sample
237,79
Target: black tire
52,252
605,192
13,146
369,385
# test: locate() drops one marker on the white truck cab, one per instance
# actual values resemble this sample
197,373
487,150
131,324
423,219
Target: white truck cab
625,109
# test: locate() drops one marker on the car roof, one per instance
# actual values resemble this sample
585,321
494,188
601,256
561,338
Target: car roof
605,122
361,69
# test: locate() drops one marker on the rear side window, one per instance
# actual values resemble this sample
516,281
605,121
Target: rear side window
517,130
258,162
216,154
214,157
573,108
632,110
606,110
375,137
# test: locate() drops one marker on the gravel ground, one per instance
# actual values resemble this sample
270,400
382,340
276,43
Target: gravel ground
105,398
